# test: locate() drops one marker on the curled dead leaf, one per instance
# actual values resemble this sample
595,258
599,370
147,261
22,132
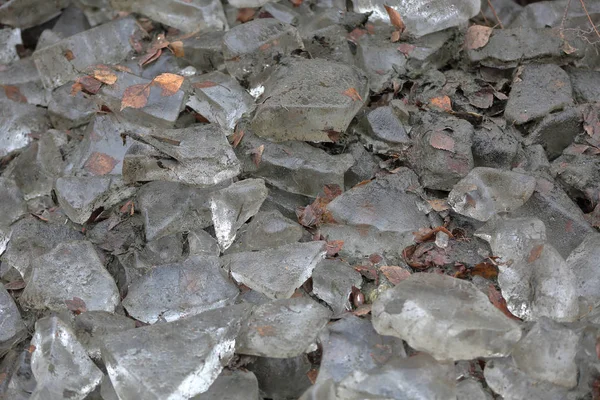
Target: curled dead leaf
257,154
237,138
395,37
245,14
352,93
100,163
395,18
87,84
498,301
135,96
477,36
169,83
334,247
176,48
439,204
69,55
76,305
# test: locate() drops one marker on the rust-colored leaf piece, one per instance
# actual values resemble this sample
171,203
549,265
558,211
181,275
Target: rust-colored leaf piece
204,84
257,154
236,138
104,75
442,103
395,18
498,301
69,55
13,93
169,83
76,305
441,141
477,36
176,48
87,84
135,96
352,93
316,213
245,14
334,247
394,274
267,330
100,163
439,204
535,253
406,48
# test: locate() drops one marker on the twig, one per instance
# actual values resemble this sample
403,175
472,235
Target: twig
484,18
564,18
589,18
496,15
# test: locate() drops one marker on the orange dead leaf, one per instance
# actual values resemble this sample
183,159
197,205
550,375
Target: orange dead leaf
267,330
442,103
177,48
86,83
352,93
13,93
334,247
153,55
439,204
362,310
440,140
204,84
169,83
128,208
245,14
31,348
355,35
477,36
100,163
395,18
498,301
135,96
395,36
257,154
394,274
535,253
69,55
122,68
296,3
76,305
105,76
237,138
486,270
312,375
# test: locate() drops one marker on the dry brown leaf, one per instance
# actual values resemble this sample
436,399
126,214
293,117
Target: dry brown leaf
15,285
69,55
394,274
355,35
535,253
477,36
100,163
104,76
257,154
362,310
312,375
204,84
442,103
296,3
153,55
395,37
498,301
441,141
485,269
334,247
135,96
439,204
13,93
87,84
177,48
76,305
122,68
169,83
245,14
567,48
395,18
353,94
406,48
237,138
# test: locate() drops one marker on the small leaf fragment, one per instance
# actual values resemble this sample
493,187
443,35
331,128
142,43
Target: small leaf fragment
439,204
442,103
406,48
395,18
135,96
477,36
394,274
14,93
245,14
257,154
169,83
535,253
69,55
441,141
267,330
237,138
353,94
100,163
334,247
177,48
395,37
498,301
204,84
105,76
76,305
87,84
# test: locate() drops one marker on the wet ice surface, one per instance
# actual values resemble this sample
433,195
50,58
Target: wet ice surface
288,200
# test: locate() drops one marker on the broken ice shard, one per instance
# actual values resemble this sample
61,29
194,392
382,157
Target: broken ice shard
171,292
187,15
9,39
196,349
584,261
234,205
64,61
17,122
67,110
198,155
72,269
220,99
250,48
13,328
422,16
27,13
282,328
23,77
238,384
60,363
295,107
91,326
275,272
333,281
446,317
81,196
485,192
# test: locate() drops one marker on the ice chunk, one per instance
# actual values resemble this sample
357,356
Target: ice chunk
11,198
380,60
384,131
292,166
72,269
196,349
187,16
275,272
27,13
485,192
469,389
13,328
446,317
91,326
422,16
251,48
418,377
204,51
333,281
9,39
282,328
234,205
295,108
584,261
198,155
23,77
281,378
232,385
17,122
81,196
64,61
201,243
220,99
60,364
69,111
169,207
171,292
387,204
351,344
266,230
